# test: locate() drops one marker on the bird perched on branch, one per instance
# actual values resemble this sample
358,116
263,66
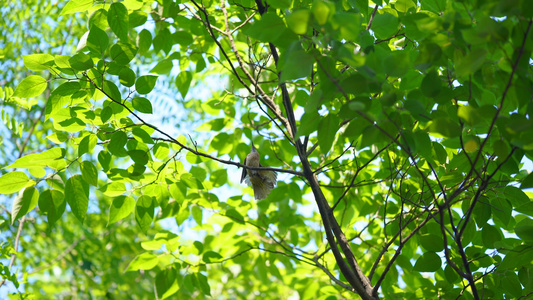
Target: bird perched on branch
262,181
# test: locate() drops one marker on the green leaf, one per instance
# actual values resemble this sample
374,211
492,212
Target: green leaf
444,127
99,19
490,235
235,216
142,136
117,143
466,65
112,91
283,4
362,6
511,284
160,239
37,172
163,67
308,123
127,77
190,283
24,203
348,25
191,182
145,84
327,131
97,40
423,145
524,230
144,261
118,19
219,177
52,202
144,41
106,113
527,182
197,214
428,262
322,11
58,137
211,256
516,196
140,157
200,65
38,62
68,124
502,209
398,63
137,18
298,21
482,213
89,173
121,207
431,242
52,158
431,85
144,212
450,274
166,283
404,5
77,196
183,82
268,29
31,86
123,53
161,150
113,189
104,158
526,208
60,97
183,38
74,6
204,285
87,144
13,182
296,63
469,114
436,6
142,105
385,25
81,62
517,257
178,191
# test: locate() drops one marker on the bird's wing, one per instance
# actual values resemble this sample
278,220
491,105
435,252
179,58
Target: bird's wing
243,172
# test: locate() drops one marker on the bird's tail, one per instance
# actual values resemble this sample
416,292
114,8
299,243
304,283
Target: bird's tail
263,183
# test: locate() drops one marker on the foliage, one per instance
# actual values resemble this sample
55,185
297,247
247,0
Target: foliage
399,130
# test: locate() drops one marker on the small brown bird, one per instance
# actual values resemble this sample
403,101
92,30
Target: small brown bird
261,181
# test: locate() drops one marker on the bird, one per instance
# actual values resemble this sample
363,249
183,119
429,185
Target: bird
262,181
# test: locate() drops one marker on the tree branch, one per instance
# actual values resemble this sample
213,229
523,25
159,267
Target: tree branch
15,247
397,253
170,139
372,17
265,98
